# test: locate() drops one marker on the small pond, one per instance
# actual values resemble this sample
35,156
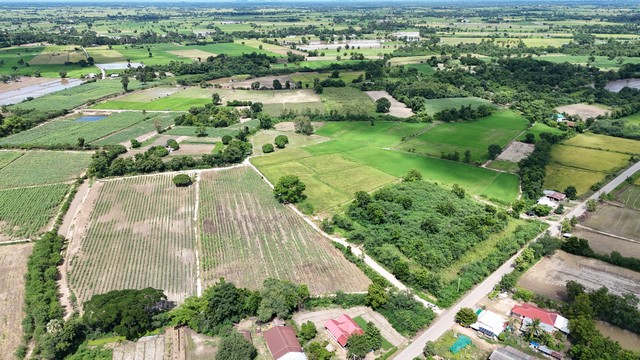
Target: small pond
90,118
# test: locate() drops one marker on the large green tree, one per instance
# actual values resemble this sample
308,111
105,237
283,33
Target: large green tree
235,347
466,316
289,189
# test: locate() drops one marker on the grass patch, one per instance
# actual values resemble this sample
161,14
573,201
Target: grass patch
606,143
107,340
503,165
538,128
347,100
433,106
558,177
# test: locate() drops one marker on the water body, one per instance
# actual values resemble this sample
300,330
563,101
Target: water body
37,90
91,118
617,85
627,339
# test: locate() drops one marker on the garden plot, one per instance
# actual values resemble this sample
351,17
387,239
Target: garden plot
397,109
549,276
616,220
13,266
134,233
246,236
584,111
516,151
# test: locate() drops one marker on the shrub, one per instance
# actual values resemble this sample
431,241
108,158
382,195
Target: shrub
135,144
281,141
226,139
173,144
267,148
159,151
182,180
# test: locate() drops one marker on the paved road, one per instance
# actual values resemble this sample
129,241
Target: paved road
446,319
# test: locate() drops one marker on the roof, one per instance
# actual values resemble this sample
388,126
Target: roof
281,341
342,328
546,317
490,321
554,195
550,352
509,353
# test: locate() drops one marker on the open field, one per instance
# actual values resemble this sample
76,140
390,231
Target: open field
516,151
47,60
538,128
616,220
308,77
35,168
295,140
26,211
347,100
604,244
134,233
359,157
584,111
247,237
549,276
13,266
630,196
476,136
588,159
397,108
211,131
67,130
18,91
433,106
558,177
606,143
138,129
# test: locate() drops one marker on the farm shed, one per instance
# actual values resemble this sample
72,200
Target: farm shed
554,195
554,354
489,323
509,353
342,328
283,343
549,321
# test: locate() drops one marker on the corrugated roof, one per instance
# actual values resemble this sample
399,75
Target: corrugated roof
509,353
281,341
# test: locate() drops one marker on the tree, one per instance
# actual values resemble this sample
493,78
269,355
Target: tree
376,296
358,347
458,191
335,74
412,175
62,73
318,351
302,125
571,192
81,142
318,89
255,85
235,347
277,85
256,107
467,156
226,139
157,123
124,80
267,148
466,317
279,299
494,150
383,105
135,144
308,331
429,349
201,131
182,180
225,305
592,205
90,60
534,329
529,138
215,98
281,141
289,189
265,121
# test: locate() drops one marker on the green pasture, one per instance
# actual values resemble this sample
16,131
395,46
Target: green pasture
347,100
43,167
11,57
432,106
211,131
603,62
308,77
538,128
476,136
606,143
635,118
382,134
424,69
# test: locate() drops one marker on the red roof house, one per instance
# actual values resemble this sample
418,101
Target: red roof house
548,318
342,328
283,343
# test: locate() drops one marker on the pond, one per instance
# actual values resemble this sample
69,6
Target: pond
627,339
90,118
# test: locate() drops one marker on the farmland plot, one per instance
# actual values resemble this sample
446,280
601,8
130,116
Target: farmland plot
35,168
6,157
26,211
616,220
140,233
247,237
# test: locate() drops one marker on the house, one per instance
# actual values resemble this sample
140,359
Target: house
407,35
509,353
554,195
549,321
489,323
559,117
283,343
342,328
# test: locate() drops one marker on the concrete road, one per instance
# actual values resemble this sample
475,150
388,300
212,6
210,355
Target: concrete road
446,319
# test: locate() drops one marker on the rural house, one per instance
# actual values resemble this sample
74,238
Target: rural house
489,323
342,328
554,195
283,343
509,353
549,321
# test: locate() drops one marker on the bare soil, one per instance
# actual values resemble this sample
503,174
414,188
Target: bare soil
24,81
584,111
148,348
397,109
199,347
604,244
516,151
286,126
193,54
193,149
549,276
13,266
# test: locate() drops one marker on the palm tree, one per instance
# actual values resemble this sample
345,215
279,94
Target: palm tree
533,329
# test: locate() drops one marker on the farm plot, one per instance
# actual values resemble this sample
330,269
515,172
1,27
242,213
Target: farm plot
347,100
212,131
605,143
138,129
307,78
148,347
139,233
26,211
68,130
295,140
604,244
13,266
35,168
475,136
247,237
18,91
549,276
432,106
516,151
539,128
630,196
616,220
584,111
7,157
397,109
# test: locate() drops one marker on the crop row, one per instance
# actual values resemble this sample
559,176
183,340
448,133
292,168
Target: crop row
43,167
141,233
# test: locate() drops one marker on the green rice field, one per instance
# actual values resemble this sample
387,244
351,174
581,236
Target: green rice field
433,106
